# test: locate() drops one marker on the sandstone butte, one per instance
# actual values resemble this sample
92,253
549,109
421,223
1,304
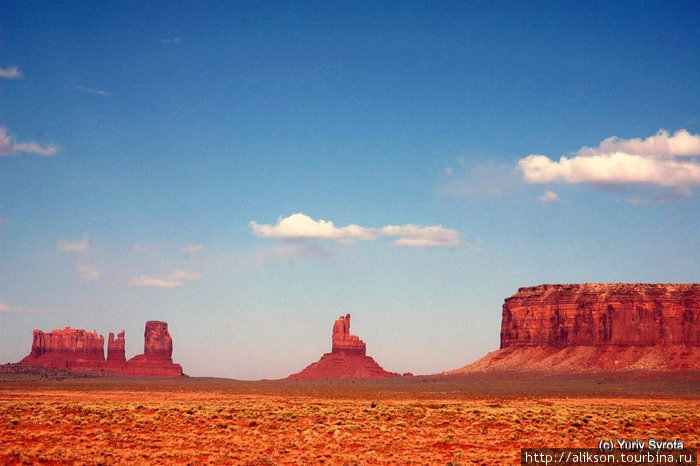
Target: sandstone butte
80,350
597,328
347,359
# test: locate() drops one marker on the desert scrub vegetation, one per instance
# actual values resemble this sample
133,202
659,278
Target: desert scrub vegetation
153,427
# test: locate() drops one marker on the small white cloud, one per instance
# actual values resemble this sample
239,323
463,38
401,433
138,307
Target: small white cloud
175,280
11,72
548,196
88,272
171,40
74,245
4,308
93,91
154,282
192,248
660,160
299,227
8,145
422,237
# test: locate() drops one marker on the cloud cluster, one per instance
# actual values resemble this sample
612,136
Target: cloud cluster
300,227
8,145
11,72
175,280
662,160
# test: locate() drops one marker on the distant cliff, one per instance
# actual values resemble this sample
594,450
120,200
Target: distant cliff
623,314
591,327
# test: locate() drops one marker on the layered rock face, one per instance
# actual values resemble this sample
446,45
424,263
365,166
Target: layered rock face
347,359
66,349
621,314
156,360
343,340
81,350
598,327
116,357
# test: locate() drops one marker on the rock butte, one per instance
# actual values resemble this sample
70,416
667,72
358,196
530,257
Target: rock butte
347,359
77,349
598,328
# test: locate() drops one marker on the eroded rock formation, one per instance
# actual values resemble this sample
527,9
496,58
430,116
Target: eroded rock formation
598,327
343,340
66,349
624,314
156,360
116,356
77,349
347,359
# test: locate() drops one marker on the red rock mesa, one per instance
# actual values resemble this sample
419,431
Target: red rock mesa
156,360
66,349
81,350
598,327
347,359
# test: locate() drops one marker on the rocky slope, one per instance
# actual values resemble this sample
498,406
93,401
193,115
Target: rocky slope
598,327
347,359
79,350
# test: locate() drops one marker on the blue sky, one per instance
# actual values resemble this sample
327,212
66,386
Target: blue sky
249,171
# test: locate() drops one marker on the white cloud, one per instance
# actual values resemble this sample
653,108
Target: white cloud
88,272
74,245
4,308
299,227
11,72
192,248
175,280
8,146
682,143
422,237
660,160
154,282
171,40
548,196
93,91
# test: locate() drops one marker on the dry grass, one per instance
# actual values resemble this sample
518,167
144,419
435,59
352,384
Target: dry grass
136,425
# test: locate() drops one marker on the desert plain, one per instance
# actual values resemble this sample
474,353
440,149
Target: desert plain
478,419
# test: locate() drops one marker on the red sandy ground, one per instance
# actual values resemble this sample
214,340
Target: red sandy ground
431,420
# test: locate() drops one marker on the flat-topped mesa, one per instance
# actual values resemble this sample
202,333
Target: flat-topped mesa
156,360
116,358
622,314
68,348
347,359
597,328
343,340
